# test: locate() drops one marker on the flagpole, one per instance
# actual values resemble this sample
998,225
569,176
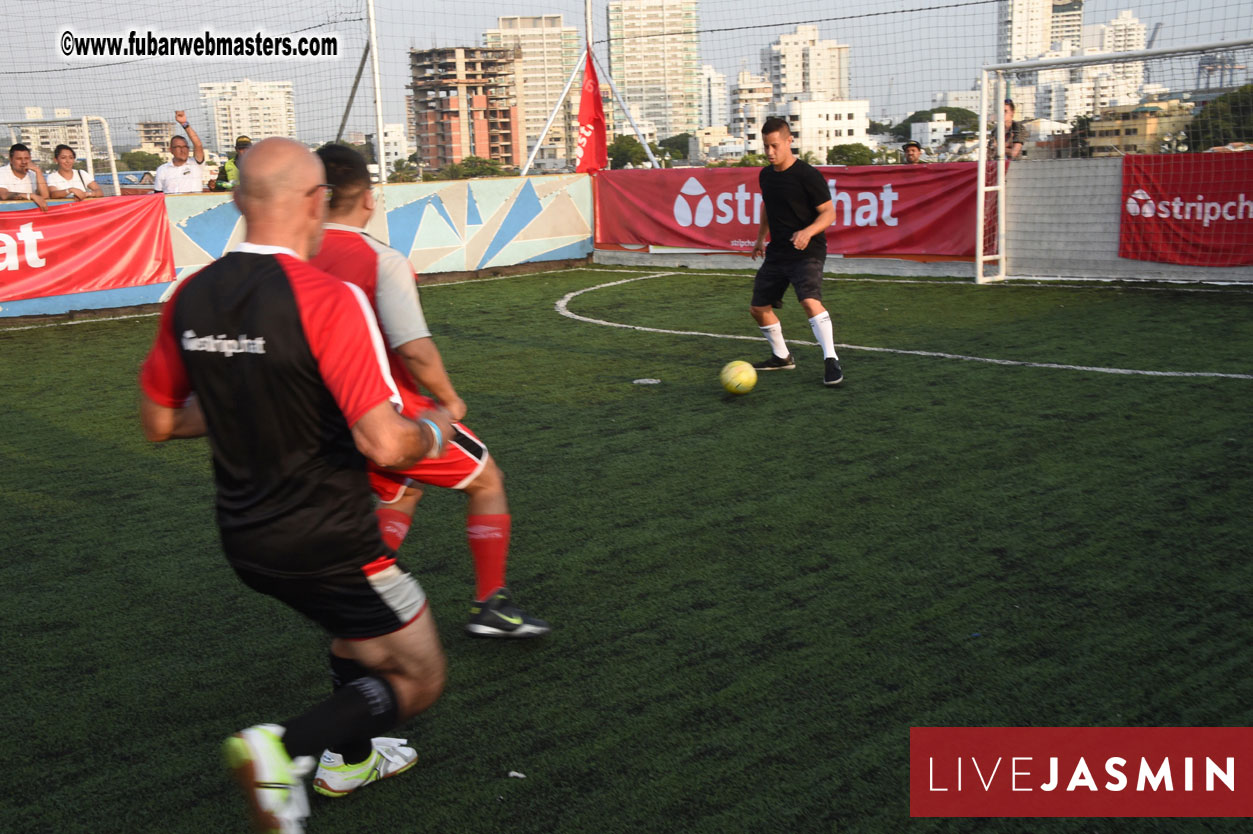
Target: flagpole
552,117
630,118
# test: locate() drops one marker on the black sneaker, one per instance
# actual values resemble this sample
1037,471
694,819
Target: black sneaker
499,617
831,374
776,363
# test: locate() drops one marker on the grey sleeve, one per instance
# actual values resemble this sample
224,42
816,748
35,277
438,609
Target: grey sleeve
396,296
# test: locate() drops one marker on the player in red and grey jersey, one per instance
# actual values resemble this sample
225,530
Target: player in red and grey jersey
388,280
283,367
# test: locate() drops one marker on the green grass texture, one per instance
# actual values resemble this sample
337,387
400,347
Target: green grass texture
753,597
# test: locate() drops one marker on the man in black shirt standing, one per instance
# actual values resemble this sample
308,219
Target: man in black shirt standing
796,211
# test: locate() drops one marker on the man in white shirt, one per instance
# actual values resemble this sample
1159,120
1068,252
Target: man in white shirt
182,175
19,181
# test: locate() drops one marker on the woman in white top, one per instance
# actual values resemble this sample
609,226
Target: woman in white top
66,181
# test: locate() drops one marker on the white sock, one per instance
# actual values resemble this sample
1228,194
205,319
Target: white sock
774,335
821,325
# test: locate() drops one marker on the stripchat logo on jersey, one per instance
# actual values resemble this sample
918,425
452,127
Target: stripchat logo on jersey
1200,210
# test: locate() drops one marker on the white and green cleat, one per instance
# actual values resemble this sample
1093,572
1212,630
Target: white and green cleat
388,758
271,780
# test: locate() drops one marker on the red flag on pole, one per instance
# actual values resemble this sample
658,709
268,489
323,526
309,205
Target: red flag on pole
592,153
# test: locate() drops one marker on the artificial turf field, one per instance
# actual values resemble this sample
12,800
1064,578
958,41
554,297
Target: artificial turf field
753,598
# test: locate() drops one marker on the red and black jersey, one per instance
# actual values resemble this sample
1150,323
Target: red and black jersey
284,359
353,256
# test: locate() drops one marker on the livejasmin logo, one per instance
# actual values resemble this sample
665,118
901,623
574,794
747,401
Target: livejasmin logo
29,240
1080,772
1023,775
1142,204
694,206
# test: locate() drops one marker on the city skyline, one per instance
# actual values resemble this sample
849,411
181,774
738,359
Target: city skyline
897,75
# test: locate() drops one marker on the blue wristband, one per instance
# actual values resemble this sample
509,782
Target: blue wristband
438,449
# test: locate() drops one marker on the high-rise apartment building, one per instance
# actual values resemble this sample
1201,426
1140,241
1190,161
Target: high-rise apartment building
1066,22
801,62
467,102
154,137
751,99
43,139
549,53
818,125
1024,29
714,109
654,58
1064,93
256,109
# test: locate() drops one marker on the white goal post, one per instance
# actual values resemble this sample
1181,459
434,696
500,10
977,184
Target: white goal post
84,124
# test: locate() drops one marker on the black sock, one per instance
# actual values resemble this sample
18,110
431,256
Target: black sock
345,670
359,710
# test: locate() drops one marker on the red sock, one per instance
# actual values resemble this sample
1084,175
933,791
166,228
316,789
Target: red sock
393,526
489,545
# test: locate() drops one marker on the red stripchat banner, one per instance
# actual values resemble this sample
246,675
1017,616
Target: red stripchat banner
82,247
880,210
1192,209
1081,771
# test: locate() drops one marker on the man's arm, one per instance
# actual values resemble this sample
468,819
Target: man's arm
826,216
763,229
396,442
41,184
424,362
162,423
197,149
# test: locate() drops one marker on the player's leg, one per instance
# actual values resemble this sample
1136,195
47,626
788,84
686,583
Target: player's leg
807,281
488,529
467,466
388,665
768,287
396,506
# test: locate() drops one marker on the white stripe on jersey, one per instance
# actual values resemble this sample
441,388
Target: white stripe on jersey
376,341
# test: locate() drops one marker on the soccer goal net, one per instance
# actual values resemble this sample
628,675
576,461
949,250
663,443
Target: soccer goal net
1068,117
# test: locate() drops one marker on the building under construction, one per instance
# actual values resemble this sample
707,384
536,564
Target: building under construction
466,102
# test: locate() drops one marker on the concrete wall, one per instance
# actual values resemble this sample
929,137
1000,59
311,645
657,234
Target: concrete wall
1062,220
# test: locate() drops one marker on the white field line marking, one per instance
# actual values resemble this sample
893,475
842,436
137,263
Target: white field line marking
563,307
77,321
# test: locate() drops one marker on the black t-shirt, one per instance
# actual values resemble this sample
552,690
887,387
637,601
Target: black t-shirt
262,340
791,198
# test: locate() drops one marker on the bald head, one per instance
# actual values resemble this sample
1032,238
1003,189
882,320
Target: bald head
279,197
274,170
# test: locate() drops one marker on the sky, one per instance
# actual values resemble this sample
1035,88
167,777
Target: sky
903,51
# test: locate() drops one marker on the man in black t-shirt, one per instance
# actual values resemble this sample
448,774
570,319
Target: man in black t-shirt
796,211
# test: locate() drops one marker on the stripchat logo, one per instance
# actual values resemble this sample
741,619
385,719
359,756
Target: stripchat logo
693,205
24,246
1200,210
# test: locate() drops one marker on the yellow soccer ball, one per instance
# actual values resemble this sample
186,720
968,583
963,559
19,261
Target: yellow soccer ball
738,377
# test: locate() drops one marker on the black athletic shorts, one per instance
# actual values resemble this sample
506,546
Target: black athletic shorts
773,278
350,605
